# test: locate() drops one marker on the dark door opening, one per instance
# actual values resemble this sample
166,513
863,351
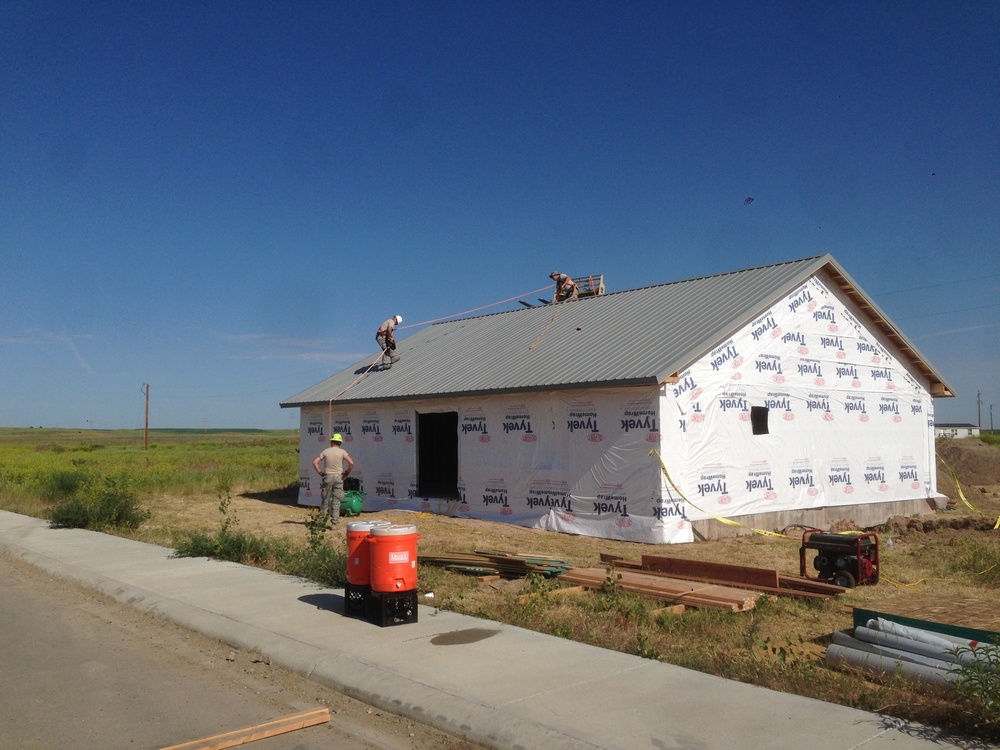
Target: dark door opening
437,454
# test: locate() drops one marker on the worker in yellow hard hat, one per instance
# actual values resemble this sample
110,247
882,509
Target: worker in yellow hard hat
333,473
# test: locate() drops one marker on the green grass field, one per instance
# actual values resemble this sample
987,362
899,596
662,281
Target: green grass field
40,466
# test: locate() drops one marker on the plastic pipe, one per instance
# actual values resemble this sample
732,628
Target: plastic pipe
836,655
843,639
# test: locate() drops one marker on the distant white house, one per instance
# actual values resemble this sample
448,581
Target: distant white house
956,430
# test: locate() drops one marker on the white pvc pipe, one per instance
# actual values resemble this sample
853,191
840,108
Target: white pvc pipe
836,655
843,639
916,634
944,652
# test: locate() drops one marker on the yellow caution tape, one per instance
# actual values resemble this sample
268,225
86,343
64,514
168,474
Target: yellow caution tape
961,494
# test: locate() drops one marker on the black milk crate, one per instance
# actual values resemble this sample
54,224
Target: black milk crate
392,608
357,600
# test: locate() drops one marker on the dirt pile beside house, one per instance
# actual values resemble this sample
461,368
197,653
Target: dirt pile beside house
976,463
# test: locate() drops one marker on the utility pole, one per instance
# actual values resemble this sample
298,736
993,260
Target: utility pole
979,410
145,387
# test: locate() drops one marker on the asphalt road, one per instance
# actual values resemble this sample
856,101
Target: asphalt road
80,670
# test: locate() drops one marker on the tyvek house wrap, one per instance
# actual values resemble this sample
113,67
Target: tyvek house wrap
846,424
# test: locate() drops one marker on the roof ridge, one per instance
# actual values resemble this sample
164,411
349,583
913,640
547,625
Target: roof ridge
720,274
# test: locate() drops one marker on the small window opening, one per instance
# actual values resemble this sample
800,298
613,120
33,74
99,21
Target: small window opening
758,420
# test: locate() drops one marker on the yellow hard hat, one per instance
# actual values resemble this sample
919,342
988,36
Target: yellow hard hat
336,438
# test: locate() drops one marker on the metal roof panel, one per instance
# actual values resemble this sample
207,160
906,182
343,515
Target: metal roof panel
639,336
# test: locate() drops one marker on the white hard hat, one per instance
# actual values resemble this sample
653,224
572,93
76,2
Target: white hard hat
399,319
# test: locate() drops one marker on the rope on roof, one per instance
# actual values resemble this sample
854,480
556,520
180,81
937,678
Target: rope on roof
423,323
476,309
545,330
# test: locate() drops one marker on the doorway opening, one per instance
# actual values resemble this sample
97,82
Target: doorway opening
437,454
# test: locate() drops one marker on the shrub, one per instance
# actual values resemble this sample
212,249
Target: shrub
978,558
978,683
60,484
102,501
318,561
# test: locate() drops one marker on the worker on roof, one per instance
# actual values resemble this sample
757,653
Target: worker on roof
387,342
565,287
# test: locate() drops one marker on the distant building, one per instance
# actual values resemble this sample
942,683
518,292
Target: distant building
957,430
775,396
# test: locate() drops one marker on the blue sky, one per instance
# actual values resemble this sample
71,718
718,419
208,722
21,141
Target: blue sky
224,199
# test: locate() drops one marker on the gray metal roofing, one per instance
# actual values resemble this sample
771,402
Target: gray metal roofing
635,337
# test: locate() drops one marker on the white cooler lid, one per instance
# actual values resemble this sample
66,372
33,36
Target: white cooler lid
400,530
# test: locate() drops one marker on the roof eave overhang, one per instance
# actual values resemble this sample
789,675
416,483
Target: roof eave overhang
937,386
649,381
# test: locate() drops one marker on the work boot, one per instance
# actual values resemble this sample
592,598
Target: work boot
395,358
387,366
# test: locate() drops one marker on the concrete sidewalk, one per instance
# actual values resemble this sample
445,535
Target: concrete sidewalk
491,683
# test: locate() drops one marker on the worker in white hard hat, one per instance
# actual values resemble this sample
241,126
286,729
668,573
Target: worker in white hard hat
387,342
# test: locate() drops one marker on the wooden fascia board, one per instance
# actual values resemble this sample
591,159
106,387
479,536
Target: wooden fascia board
886,329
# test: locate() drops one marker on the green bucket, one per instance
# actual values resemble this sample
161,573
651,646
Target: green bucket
351,504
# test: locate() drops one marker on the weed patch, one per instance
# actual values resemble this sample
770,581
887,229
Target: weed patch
99,502
979,559
978,684
318,561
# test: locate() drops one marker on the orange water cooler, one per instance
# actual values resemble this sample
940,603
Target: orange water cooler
393,574
357,591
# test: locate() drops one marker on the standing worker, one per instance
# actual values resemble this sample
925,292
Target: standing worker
387,341
565,287
333,473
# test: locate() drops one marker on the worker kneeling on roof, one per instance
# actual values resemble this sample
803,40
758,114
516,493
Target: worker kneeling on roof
565,287
387,342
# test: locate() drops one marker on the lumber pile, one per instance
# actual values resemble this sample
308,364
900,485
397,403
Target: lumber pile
674,581
671,590
504,564
756,579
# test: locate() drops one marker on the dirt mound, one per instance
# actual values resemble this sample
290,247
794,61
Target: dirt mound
900,525
976,463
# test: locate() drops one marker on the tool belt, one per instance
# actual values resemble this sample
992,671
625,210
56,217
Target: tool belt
390,342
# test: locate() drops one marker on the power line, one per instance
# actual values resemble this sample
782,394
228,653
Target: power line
946,312
932,286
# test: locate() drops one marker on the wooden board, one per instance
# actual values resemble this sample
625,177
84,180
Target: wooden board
673,590
510,564
757,579
737,574
799,583
258,732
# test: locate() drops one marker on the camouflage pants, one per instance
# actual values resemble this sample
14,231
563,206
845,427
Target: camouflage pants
332,493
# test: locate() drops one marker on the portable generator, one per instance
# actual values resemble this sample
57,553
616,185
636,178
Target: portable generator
846,560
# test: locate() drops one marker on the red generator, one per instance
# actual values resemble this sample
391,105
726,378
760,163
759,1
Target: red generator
846,560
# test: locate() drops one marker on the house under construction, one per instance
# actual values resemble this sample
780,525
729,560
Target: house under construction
760,398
